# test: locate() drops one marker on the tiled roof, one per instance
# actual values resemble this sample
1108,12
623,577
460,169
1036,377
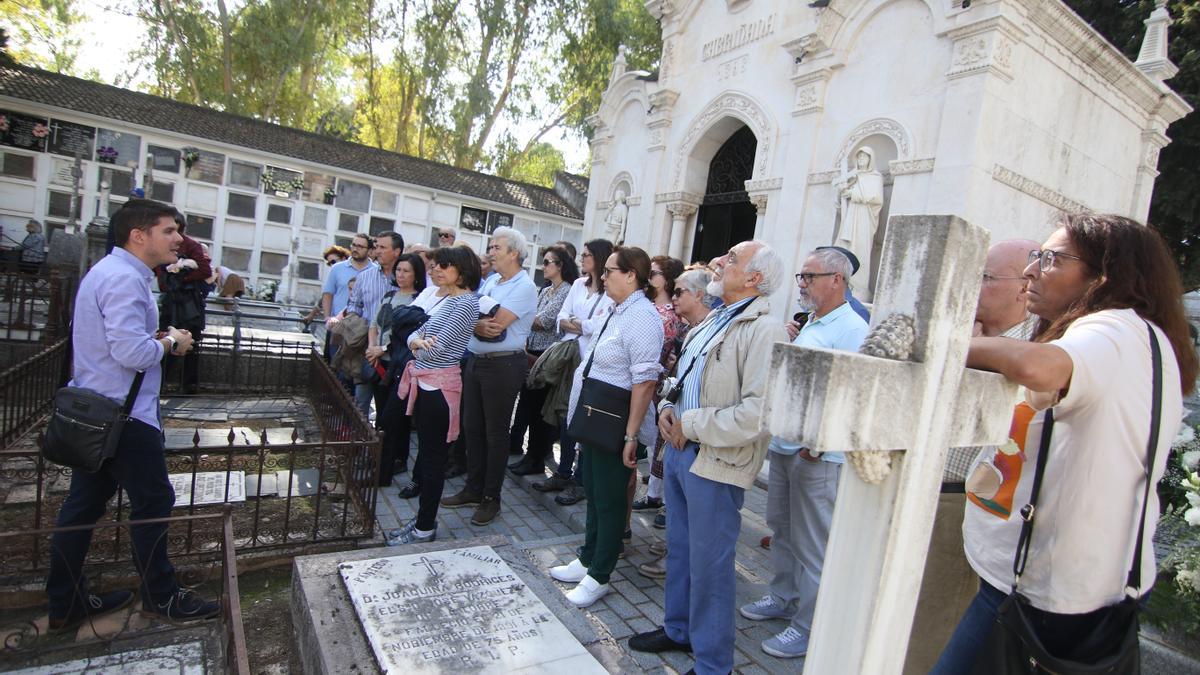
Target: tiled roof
575,181
101,100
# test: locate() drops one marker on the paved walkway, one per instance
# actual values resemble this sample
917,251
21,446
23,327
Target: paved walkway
550,533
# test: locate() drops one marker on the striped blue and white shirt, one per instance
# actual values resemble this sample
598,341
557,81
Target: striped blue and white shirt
453,323
701,340
369,288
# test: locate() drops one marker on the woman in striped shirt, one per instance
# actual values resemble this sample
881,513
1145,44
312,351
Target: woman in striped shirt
432,381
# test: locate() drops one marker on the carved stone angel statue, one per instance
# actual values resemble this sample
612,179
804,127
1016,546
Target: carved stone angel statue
614,222
860,200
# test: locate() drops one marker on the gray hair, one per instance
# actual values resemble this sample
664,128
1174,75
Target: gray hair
833,260
768,263
514,239
696,281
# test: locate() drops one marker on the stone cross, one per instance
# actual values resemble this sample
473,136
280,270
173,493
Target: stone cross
931,272
430,565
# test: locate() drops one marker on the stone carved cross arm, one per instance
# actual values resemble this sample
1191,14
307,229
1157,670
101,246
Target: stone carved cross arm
920,399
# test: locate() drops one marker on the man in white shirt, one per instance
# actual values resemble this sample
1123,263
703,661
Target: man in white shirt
496,368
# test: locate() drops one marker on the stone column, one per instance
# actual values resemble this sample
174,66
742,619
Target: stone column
680,212
760,208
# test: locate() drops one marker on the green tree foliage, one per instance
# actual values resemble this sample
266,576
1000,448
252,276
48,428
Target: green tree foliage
1175,207
536,164
278,60
43,33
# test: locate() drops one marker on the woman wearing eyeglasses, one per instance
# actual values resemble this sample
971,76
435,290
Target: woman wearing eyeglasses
408,280
625,354
432,382
559,271
1102,285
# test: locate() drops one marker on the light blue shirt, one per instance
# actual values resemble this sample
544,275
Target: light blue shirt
113,333
700,341
842,329
337,284
519,296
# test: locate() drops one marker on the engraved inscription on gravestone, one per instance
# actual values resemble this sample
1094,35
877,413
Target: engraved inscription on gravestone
464,610
210,488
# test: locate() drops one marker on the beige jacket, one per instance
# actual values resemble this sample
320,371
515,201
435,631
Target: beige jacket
727,424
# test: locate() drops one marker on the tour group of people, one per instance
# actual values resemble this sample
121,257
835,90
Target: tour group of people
622,356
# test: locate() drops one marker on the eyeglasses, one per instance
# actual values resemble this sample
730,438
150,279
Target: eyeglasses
445,235
807,277
1045,259
362,246
610,270
586,255
444,265
656,273
330,262
677,292
549,261
992,277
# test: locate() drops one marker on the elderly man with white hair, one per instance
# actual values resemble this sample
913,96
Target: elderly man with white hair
716,447
803,483
496,368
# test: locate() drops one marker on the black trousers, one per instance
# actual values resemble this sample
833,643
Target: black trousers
392,418
490,389
529,418
432,417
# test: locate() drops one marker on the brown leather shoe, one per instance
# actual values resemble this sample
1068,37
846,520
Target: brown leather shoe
654,570
486,512
463,498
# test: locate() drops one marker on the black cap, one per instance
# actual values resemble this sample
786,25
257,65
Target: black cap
849,256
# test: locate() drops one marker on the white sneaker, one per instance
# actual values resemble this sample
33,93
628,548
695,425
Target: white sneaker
571,573
588,591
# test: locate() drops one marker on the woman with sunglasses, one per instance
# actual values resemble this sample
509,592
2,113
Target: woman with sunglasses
582,314
559,271
1107,291
432,382
625,354
408,280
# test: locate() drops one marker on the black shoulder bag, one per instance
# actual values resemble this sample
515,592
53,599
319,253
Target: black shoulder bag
603,409
1111,646
85,427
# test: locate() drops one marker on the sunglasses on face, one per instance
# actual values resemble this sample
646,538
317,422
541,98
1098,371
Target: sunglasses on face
678,292
549,261
445,235
444,265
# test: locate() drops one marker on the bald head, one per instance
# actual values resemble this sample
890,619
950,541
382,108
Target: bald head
1002,296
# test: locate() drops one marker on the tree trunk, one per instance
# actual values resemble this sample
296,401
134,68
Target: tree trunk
226,55
514,57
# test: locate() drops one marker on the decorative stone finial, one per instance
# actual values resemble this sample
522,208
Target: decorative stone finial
620,65
1153,59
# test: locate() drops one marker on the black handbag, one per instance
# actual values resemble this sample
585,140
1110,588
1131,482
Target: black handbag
602,412
85,427
1112,645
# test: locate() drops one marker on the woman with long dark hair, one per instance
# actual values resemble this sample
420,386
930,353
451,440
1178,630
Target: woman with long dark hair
559,271
432,382
1103,286
408,280
583,313
624,353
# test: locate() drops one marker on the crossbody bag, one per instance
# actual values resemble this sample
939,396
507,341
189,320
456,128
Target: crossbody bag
602,412
1112,646
85,427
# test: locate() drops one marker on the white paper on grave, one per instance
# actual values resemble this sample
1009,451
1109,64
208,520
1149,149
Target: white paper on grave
459,610
210,488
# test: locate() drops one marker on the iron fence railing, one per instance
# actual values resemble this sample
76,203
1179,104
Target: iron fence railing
24,638
35,307
27,391
325,487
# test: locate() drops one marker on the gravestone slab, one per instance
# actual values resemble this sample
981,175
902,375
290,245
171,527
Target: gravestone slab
329,635
303,481
266,486
458,609
210,488
185,659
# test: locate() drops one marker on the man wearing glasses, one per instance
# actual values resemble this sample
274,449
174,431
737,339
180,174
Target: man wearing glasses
336,293
446,237
950,584
802,484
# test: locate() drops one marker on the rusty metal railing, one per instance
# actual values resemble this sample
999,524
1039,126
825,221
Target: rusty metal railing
27,391
26,638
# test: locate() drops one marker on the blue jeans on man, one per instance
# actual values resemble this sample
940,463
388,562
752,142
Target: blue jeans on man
700,581
139,468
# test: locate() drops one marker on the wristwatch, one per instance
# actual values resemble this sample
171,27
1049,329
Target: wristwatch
630,439
174,343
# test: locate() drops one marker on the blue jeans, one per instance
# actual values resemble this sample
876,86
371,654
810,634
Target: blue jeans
700,574
139,468
973,629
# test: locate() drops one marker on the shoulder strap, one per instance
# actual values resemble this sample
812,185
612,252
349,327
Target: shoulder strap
596,343
599,297
1029,510
134,388
1134,580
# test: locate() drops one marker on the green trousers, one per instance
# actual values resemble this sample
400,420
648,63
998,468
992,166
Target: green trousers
605,481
